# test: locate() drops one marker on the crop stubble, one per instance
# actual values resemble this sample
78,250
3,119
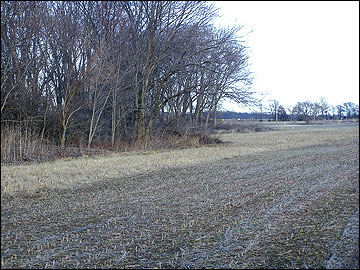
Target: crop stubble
276,199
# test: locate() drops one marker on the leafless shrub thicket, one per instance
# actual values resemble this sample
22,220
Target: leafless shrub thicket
84,73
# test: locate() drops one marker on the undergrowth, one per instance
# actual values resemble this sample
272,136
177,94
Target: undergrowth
21,144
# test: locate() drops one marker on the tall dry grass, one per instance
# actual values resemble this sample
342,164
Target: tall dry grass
167,141
22,143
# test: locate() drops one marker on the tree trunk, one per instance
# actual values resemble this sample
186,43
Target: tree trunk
208,117
215,114
198,109
63,137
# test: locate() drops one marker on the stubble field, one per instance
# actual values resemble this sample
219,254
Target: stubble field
280,199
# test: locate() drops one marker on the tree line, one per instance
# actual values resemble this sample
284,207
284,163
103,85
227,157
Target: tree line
307,111
117,70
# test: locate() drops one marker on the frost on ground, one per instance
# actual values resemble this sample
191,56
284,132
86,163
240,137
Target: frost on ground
282,199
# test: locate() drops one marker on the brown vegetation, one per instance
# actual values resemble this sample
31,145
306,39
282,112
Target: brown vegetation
278,199
19,144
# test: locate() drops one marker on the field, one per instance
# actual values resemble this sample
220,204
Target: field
287,198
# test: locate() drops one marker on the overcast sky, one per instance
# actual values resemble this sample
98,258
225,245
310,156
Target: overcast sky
299,50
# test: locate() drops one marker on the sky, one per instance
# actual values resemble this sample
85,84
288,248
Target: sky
298,51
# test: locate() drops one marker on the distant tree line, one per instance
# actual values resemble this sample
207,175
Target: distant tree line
243,115
302,111
307,111
116,70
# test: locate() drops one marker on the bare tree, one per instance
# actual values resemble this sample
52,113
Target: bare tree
302,111
21,57
67,63
274,109
340,110
351,109
99,68
315,109
324,107
155,26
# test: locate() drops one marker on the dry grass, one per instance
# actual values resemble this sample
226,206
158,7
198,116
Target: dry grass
70,172
21,144
279,199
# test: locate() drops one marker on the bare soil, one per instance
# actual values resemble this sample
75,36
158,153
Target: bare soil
293,207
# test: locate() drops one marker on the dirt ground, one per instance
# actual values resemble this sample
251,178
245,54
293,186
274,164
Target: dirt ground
261,201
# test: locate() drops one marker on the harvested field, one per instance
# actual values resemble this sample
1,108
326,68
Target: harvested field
278,199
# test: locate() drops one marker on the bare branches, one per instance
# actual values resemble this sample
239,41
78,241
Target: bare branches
98,68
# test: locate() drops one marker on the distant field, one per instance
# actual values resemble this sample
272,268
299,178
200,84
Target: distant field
287,198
